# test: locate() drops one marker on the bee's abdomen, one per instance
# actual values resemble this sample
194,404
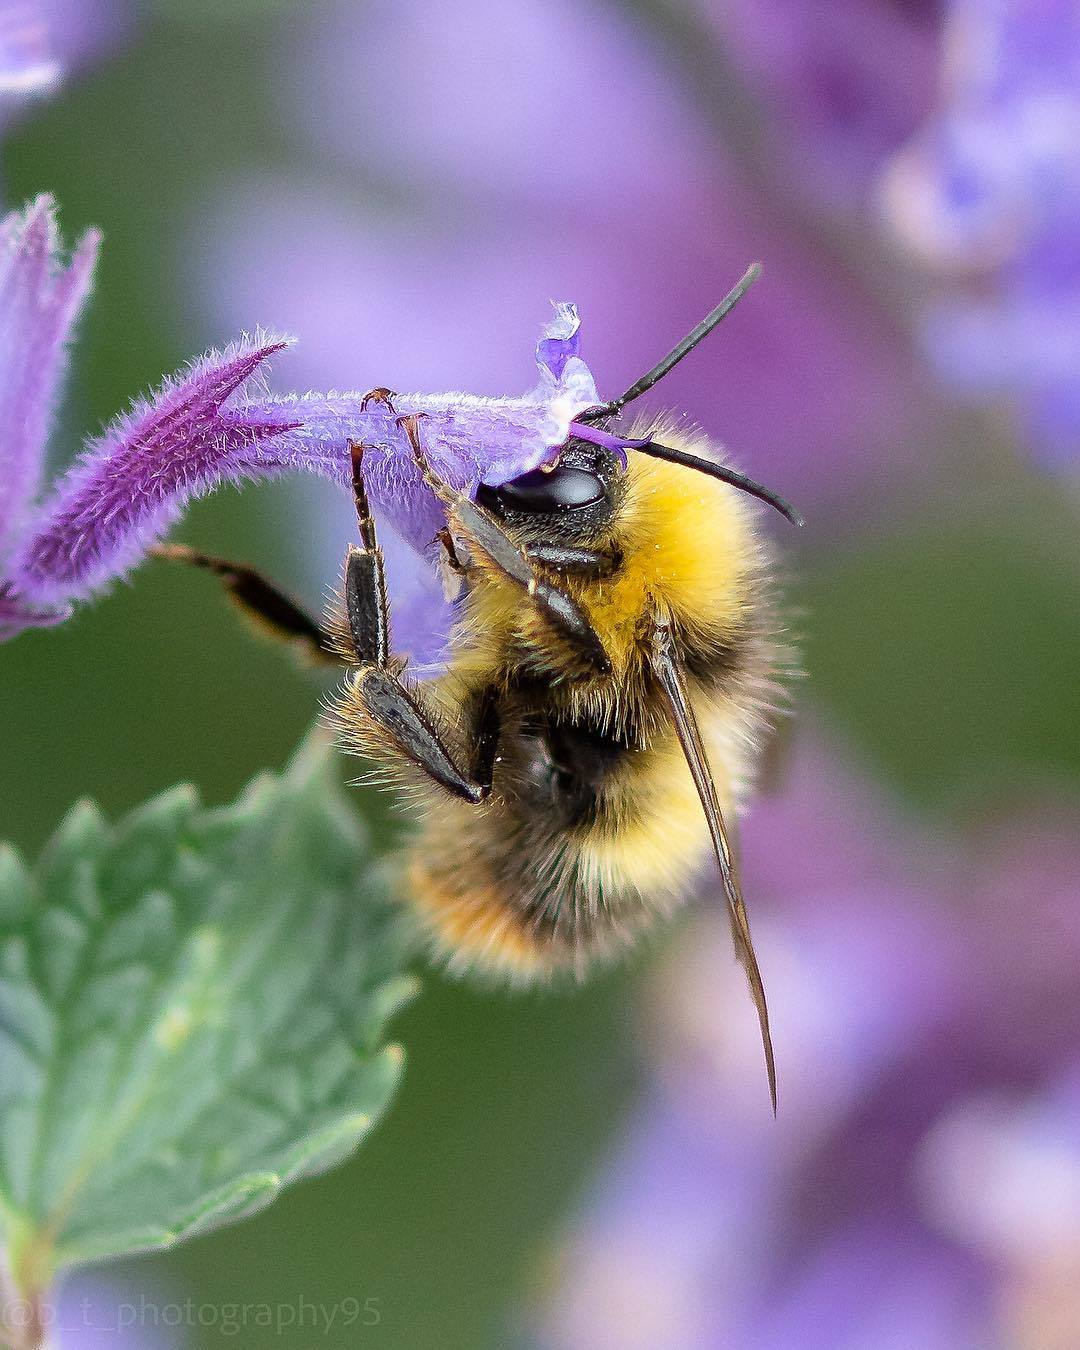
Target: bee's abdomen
513,923
586,842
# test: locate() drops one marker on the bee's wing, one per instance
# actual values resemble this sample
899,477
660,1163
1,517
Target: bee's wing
669,673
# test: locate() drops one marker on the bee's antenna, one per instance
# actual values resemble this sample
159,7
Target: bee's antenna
722,472
620,444
650,447
696,335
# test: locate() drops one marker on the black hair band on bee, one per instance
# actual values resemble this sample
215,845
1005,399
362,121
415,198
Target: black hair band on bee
681,349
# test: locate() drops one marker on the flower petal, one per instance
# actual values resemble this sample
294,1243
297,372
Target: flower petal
135,480
421,616
466,439
560,341
40,299
15,616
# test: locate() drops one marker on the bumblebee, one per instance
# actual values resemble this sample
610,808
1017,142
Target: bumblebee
610,679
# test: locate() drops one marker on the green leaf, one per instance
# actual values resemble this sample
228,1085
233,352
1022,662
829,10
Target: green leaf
192,1007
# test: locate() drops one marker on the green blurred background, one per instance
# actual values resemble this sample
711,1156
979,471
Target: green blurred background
947,651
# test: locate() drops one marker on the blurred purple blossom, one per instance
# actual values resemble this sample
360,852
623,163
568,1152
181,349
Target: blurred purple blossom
990,190
203,428
27,64
81,32
95,1310
837,96
42,42
40,300
921,1185
640,211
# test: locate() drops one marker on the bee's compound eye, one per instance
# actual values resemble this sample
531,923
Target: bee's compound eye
544,493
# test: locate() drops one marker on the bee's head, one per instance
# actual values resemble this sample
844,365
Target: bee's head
573,500
577,497
591,436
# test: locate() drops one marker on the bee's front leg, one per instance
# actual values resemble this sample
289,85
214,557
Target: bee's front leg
481,530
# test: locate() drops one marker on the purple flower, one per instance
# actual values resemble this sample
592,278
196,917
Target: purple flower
921,1186
838,97
83,31
43,41
27,64
40,299
990,190
204,427
135,480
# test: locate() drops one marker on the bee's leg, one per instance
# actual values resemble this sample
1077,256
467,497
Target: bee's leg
482,529
268,607
450,554
590,562
383,715
379,395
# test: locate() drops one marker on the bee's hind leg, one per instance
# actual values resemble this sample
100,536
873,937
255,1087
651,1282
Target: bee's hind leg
480,527
261,601
382,715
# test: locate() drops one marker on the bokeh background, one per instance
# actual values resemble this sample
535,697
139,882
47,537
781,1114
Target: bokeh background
405,184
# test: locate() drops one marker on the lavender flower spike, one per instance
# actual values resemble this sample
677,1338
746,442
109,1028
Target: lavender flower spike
203,428
40,300
134,481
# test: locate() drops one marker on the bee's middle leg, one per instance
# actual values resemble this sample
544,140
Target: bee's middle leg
482,529
397,720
